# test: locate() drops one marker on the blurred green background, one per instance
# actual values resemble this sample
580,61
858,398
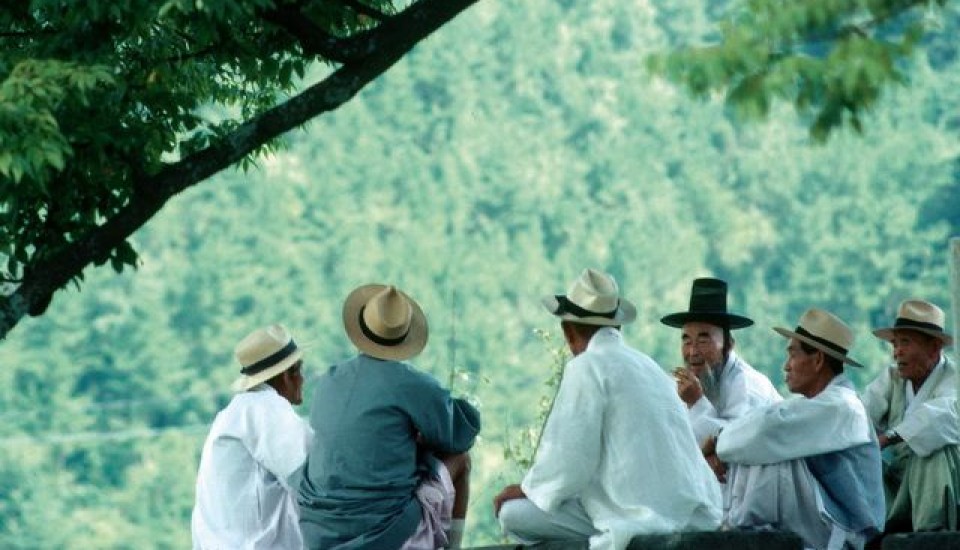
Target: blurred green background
477,175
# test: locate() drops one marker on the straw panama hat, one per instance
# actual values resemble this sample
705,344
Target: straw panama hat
263,354
920,316
385,323
824,331
708,304
592,299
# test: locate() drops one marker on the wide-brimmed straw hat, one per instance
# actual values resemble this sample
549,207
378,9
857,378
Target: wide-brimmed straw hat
592,299
708,304
920,316
824,331
385,323
263,354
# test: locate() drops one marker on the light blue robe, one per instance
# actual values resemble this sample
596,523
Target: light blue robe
358,490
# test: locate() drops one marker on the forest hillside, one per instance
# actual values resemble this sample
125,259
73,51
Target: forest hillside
519,145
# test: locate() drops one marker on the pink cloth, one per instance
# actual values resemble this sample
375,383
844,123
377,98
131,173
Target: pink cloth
436,501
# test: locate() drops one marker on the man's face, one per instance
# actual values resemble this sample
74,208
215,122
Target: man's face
701,345
293,382
915,353
800,369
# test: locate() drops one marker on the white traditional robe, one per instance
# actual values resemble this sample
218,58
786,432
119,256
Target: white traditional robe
243,500
826,441
931,420
740,389
923,472
619,440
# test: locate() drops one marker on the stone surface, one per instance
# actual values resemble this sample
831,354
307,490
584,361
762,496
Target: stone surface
922,541
712,540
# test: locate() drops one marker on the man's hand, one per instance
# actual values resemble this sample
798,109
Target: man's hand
688,386
709,449
509,492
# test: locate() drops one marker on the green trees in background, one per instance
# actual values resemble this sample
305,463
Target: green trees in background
831,60
112,108
478,175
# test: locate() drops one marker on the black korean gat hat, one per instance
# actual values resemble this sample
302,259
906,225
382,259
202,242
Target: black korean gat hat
708,304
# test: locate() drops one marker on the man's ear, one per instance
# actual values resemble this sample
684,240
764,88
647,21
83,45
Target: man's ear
821,361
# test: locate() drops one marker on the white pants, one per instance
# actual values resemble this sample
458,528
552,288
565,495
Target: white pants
522,520
785,496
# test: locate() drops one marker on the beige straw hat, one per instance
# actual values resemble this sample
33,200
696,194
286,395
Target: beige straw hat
824,331
920,316
592,299
385,323
263,354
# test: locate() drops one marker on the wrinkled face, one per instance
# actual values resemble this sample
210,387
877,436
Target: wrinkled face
701,345
915,354
801,369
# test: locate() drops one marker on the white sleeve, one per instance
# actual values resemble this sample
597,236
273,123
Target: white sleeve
933,423
278,438
793,429
569,451
705,419
876,399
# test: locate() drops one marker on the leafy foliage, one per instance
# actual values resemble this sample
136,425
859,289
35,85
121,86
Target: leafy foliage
503,155
830,59
111,108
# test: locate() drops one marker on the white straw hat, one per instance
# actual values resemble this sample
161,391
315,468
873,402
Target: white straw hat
385,323
824,331
920,316
263,354
592,299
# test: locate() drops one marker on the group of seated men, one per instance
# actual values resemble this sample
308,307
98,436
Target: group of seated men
626,449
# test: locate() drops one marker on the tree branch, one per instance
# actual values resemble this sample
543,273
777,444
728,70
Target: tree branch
384,47
365,10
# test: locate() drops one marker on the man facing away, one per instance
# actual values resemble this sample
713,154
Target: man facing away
913,404
715,383
389,465
617,457
251,459
810,465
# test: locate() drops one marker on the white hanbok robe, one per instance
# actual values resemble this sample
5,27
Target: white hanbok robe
931,420
740,389
243,498
826,441
619,440
923,472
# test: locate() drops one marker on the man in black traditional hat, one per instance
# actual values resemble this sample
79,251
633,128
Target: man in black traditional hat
715,383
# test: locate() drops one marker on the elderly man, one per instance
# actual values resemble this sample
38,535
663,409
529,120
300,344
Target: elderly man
617,456
810,465
913,404
389,466
715,383
255,451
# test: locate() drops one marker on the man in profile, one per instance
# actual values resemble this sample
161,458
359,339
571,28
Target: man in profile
913,405
811,464
255,451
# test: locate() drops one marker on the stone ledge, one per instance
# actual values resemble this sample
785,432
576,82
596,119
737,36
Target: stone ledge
693,540
922,541
748,540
